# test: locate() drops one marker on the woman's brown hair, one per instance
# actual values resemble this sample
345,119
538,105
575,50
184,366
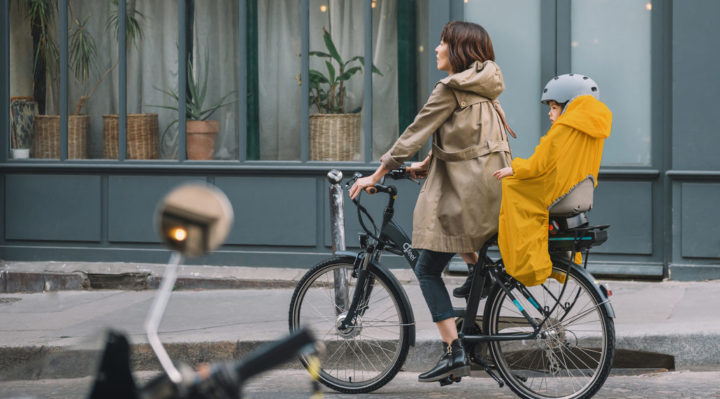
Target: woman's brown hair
467,42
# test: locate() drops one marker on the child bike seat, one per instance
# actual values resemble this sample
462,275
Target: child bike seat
579,199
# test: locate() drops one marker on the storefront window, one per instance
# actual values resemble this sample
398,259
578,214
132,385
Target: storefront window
618,59
517,48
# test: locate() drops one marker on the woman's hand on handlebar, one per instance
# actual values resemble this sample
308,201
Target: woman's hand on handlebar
364,183
418,170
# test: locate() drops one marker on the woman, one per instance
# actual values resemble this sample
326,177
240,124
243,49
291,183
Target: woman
457,209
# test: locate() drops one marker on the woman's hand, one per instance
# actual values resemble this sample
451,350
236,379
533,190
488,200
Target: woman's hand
368,181
361,184
418,170
504,172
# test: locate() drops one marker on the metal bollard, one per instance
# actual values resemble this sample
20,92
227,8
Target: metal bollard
337,228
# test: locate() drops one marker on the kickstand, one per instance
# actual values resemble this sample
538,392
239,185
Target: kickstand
491,373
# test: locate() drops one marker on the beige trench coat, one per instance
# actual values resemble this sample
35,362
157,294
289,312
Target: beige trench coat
458,206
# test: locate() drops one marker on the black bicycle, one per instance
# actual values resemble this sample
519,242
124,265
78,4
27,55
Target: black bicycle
554,340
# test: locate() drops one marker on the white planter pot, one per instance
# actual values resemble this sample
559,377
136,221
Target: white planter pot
20,153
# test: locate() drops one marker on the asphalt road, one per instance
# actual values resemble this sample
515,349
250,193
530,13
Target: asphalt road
294,384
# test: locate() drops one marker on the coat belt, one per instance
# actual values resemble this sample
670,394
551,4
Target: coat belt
472,152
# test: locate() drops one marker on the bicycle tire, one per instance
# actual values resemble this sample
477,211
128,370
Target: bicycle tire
572,356
364,358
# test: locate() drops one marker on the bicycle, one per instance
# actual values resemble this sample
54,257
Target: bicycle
555,340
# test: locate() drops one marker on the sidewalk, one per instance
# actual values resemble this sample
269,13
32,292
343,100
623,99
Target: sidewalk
225,312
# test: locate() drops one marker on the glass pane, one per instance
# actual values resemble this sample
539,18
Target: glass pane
337,91
385,86
214,71
618,59
279,98
93,60
34,83
517,52
152,54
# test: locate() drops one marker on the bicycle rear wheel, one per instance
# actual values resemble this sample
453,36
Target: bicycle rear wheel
357,359
572,355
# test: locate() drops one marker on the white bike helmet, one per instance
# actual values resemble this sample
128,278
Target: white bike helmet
562,89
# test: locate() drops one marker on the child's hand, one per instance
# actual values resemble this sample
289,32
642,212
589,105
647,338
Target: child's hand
504,172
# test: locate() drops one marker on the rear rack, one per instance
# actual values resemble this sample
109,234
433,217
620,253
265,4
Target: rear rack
577,239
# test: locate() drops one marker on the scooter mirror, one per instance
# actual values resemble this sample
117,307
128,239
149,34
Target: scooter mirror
194,219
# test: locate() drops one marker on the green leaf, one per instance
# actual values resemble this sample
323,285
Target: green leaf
331,46
318,76
331,71
349,73
319,54
82,50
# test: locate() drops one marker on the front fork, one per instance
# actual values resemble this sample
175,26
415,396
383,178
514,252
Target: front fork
363,289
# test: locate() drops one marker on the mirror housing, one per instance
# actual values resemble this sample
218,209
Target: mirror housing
194,219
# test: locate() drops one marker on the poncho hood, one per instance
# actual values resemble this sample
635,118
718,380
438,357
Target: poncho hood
482,78
588,115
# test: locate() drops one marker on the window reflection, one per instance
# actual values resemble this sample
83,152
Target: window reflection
618,59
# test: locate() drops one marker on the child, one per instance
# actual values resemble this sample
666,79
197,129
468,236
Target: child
569,153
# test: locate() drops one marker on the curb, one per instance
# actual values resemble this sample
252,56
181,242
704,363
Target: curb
27,282
34,363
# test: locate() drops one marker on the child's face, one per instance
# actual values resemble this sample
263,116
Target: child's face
555,111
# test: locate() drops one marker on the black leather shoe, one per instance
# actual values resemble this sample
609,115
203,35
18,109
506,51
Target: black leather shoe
453,363
464,290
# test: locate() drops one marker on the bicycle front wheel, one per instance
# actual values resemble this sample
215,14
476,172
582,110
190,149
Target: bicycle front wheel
367,355
572,355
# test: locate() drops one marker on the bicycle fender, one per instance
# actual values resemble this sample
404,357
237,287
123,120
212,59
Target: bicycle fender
405,302
596,287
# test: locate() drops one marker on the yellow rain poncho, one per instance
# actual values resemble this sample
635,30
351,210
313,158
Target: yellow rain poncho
570,152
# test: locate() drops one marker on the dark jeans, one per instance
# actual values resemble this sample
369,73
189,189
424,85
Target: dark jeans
428,271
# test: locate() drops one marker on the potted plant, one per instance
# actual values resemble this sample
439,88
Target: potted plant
334,134
82,53
201,132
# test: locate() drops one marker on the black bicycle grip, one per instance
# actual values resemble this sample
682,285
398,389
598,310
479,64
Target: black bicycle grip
371,190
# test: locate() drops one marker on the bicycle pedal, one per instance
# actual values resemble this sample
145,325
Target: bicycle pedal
449,380
445,381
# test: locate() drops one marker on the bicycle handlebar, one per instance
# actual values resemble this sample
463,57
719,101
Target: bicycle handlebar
225,380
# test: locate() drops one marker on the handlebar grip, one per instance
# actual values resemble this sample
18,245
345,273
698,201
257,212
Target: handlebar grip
371,190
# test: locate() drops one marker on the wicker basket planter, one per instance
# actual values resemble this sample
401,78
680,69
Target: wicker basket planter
334,137
46,141
142,136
